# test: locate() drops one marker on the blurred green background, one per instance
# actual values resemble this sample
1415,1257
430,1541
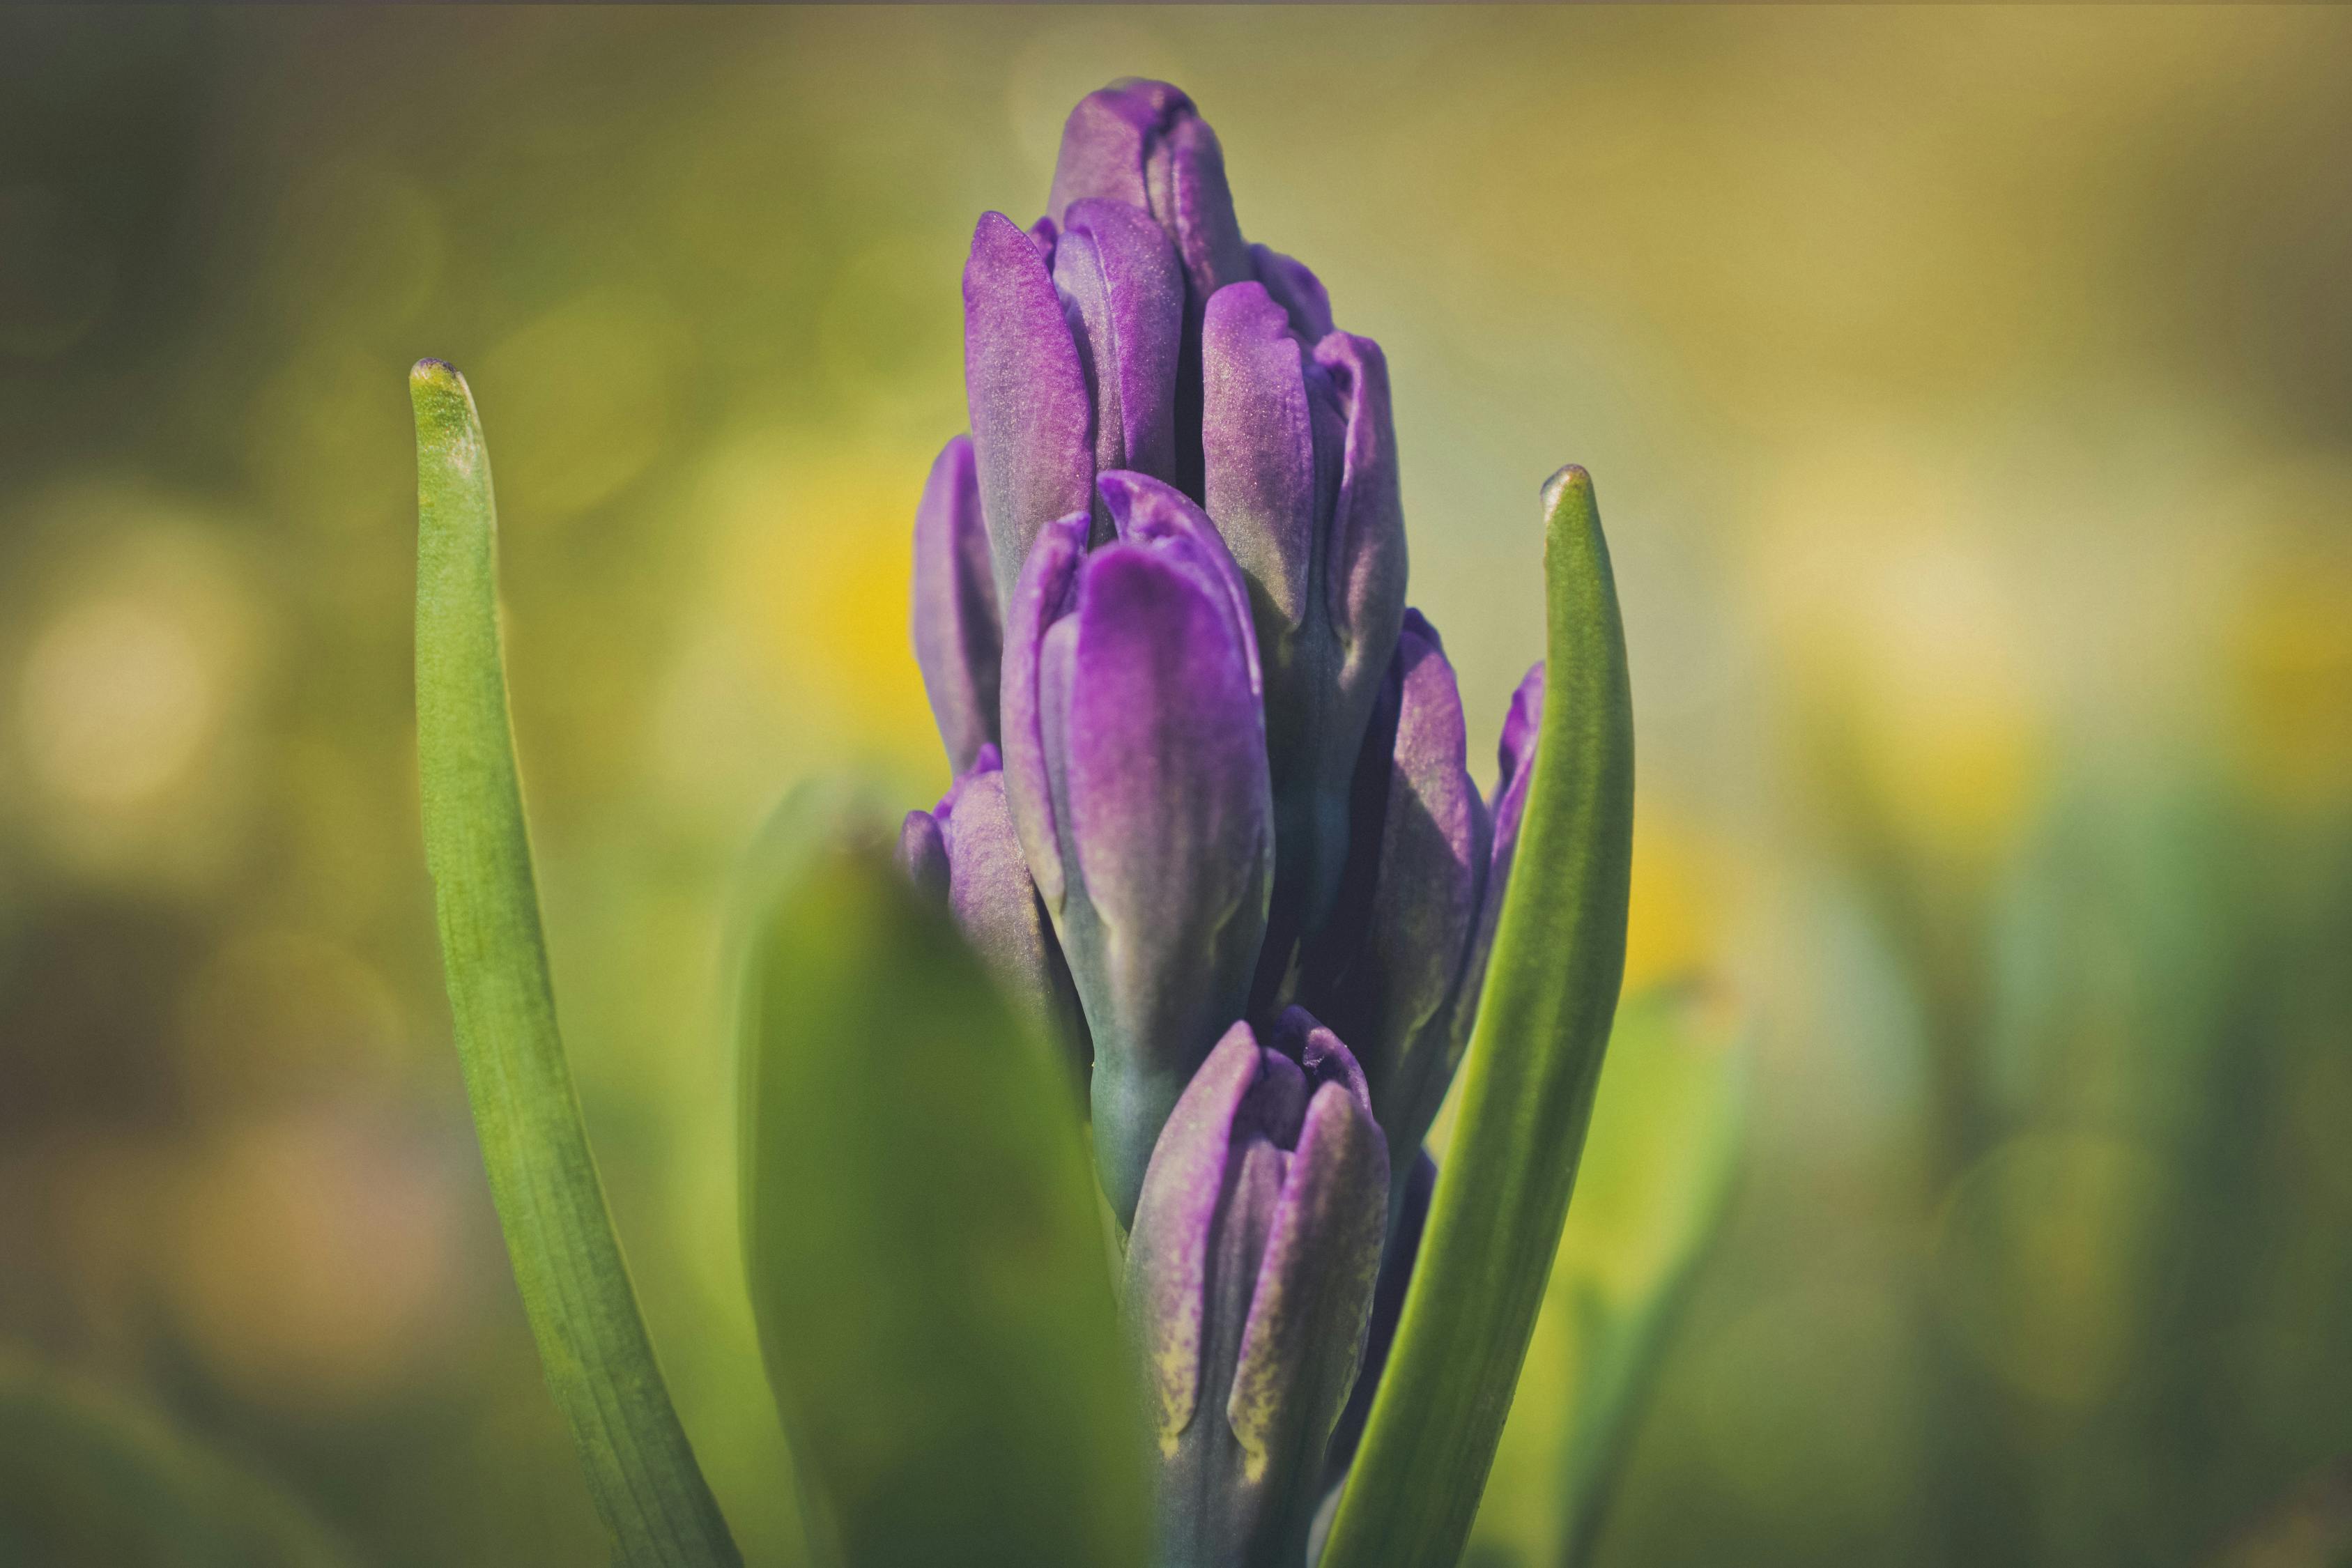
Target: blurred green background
1969,396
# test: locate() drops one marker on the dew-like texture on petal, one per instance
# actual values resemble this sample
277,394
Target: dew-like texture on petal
1039,599
958,636
1124,296
1168,1251
1032,419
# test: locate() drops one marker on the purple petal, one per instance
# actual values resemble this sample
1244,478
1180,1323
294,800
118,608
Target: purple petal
1298,292
1168,1251
1165,833
957,638
1104,142
1408,1217
1185,172
1146,511
1299,1036
1305,1336
923,855
1143,144
1040,597
1517,757
1166,761
1258,438
993,898
1386,977
1124,295
1031,417
1366,543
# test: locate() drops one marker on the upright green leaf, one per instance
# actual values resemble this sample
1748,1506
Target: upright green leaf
1527,1087
575,1286
1667,1128
920,1231
87,1478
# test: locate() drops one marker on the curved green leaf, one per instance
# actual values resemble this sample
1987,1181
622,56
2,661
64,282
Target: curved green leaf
921,1233
575,1286
1527,1087
88,1477
1667,1128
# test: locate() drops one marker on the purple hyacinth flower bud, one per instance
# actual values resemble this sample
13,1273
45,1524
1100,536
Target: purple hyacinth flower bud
964,853
1517,755
1135,764
1386,971
1032,417
958,633
1124,296
1071,340
1302,482
1143,145
1250,1277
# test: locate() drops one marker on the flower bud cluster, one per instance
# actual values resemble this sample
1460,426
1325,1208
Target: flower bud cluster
1212,818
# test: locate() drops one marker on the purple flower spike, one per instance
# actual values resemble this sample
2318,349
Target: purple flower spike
964,853
1134,764
1387,970
957,638
1124,296
1302,480
1517,755
1032,418
1250,1277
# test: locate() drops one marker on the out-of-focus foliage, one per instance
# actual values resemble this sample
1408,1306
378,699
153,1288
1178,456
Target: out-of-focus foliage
87,1480
924,1240
1970,391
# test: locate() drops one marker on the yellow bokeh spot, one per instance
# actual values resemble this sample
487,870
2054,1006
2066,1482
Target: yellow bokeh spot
816,557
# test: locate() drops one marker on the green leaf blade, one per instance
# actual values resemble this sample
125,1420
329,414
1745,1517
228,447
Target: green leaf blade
923,1241
1528,1086
567,1260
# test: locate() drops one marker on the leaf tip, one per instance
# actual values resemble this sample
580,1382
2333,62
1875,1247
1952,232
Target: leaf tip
446,423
